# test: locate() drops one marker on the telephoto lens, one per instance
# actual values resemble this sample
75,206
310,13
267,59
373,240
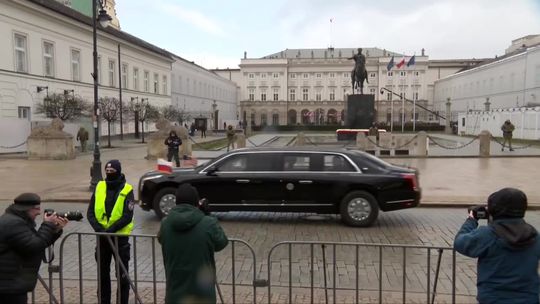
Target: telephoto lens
69,215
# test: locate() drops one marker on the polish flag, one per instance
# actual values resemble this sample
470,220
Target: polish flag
401,63
164,166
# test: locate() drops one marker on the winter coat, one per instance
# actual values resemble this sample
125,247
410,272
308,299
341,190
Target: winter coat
230,135
508,251
189,240
507,129
173,142
22,248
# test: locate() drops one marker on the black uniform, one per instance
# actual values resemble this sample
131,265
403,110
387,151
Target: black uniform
173,143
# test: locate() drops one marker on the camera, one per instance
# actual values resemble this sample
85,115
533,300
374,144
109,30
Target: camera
69,215
480,212
203,206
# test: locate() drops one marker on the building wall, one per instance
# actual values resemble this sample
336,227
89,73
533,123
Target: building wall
510,82
39,25
195,90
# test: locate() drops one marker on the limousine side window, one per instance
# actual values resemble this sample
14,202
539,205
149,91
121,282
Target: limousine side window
234,163
337,163
295,163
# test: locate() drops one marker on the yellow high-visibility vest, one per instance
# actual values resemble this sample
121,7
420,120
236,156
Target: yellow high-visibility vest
118,209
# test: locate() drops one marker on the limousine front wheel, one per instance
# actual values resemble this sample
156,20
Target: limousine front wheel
359,209
164,201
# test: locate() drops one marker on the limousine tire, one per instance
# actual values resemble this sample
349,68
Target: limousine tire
359,209
164,200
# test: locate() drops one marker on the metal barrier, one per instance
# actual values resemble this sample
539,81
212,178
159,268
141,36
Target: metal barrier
81,282
314,262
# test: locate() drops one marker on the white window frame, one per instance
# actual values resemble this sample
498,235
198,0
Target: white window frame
318,75
125,69
292,94
305,76
332,94
24,113
402,73
390,74
156,84
146,81
48,58
251,76
332,75
263,95
135,78
318,95
263,75
251,94
75,65
276,94
164,85
372,75
293,75
305,94
111,67
22,52
346,75
275,75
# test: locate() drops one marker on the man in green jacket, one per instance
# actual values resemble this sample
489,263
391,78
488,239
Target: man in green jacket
188,240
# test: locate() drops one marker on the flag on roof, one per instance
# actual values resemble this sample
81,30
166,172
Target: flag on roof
390,64
412,61
401,63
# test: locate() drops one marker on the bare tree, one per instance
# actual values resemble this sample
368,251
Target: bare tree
110,111
173,114
63,106
143,111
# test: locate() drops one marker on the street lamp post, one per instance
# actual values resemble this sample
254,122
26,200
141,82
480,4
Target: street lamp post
142,109
104,21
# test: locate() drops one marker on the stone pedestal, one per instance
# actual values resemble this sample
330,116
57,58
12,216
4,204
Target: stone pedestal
360,111
51,148
421,144
300,139
156,147
361,141
485,143
240,140
50,142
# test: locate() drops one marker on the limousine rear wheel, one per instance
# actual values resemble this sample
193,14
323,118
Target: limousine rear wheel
164,201
359,209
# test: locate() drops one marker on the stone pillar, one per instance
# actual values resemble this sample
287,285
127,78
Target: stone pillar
448,127
487,105
485,143
240,141
300,139
361,141
421,144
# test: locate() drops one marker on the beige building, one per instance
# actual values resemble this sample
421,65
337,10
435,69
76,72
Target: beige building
310,86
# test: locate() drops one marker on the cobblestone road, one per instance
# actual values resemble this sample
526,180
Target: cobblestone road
420,226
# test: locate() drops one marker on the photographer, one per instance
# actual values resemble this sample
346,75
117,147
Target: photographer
507,249
22,247
188,240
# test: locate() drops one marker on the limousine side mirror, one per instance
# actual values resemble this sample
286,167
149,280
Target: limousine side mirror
212,170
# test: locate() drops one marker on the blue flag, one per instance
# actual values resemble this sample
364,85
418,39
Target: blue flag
390,64
411,61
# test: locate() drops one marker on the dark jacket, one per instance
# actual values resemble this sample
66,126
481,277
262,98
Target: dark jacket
113,189
189,240
21,250
173,142
508,251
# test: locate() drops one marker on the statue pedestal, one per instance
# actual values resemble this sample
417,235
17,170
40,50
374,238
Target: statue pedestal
155,147
360,111
58,148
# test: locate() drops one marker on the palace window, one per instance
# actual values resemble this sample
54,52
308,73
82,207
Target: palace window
76,65
112,65
251,94
305,94
263,95
332,94
48,59
124,75
21,59
292,94
156,83
276,94
147,81
136,79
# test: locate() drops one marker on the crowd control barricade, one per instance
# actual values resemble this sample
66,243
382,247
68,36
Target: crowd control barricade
74,274
341,272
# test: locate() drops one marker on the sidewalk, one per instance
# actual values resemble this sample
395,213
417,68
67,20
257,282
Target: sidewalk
444,181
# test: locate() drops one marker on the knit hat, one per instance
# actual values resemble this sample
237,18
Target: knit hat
115,164
507,203
26,201
187,194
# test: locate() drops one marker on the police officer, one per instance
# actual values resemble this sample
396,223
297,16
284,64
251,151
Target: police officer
111,211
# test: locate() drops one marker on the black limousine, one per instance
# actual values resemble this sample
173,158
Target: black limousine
351,183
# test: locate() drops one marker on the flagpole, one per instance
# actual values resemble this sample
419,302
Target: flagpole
414,103
403,110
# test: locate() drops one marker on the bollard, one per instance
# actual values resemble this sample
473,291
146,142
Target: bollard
240,140
485,143
421,144
300,139
448,127
186,148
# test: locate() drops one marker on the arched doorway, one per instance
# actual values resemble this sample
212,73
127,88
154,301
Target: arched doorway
306,114
291,117
331,117
319,116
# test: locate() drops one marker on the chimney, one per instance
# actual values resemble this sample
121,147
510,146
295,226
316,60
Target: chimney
423,52
245,55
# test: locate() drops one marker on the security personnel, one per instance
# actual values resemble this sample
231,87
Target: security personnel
111,211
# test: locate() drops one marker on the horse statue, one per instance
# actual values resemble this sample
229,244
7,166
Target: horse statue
359,73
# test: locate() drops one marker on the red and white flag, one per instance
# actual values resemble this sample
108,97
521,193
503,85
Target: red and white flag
164,166
401,63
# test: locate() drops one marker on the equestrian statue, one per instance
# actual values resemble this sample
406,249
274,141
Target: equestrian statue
359,73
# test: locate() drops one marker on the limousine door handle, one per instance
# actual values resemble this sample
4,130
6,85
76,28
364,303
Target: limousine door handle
305,182
242,181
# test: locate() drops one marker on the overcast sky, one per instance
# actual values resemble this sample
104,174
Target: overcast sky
215,33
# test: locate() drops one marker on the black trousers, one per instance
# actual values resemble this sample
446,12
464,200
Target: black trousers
14,298
173,153
106,254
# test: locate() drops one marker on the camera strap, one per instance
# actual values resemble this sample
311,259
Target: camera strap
50,250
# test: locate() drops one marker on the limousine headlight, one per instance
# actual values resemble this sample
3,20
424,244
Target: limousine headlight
144,179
